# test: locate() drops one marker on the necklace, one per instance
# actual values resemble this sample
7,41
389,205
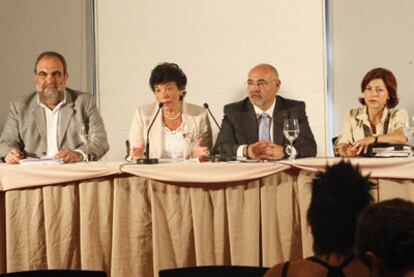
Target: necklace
174,117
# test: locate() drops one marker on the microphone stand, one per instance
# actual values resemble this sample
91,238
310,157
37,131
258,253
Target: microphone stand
220,158
147,159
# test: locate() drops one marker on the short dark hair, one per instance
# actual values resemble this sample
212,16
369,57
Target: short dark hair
390,83
338,196
387,229
168,72
51,54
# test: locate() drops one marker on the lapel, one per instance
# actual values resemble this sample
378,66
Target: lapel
65,114
187,121
279,114
155,137
249,122
39,118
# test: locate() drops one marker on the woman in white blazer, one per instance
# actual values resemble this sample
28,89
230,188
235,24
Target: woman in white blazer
181,130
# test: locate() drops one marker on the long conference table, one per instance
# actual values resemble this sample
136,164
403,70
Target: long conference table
134,220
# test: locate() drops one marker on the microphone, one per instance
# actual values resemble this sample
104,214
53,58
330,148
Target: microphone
147,159
220,158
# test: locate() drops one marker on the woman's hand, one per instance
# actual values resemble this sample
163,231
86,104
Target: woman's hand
199,150
137,152
361,146
345,150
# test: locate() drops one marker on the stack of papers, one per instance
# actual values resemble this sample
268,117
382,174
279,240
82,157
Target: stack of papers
40,161
391,151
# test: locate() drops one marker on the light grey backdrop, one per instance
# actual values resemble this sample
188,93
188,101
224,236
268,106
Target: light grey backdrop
364,35
29,27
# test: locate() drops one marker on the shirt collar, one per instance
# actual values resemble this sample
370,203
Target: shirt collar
363,115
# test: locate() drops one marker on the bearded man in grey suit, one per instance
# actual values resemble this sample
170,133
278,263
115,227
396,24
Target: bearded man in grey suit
48,121
240,126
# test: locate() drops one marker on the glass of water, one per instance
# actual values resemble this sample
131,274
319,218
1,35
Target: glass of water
291,132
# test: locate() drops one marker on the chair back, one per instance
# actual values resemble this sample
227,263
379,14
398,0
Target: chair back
128,148
56,273
215,271
334,139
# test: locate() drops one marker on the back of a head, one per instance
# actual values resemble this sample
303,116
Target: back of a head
338,196
386,230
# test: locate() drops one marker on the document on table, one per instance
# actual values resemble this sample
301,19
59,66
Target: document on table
40,161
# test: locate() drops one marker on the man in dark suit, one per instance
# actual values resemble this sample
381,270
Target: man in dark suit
242,124
48,121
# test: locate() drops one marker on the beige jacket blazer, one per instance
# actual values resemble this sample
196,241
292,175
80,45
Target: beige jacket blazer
195,117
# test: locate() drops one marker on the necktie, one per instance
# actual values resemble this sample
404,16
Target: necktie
264,127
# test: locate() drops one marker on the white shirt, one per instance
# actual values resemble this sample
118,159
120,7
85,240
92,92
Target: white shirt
173,143
52,127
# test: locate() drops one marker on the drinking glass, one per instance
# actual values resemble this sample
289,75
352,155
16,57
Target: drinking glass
85,136
291,132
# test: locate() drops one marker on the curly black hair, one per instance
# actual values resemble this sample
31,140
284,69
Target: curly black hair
168,72
387,229
338,195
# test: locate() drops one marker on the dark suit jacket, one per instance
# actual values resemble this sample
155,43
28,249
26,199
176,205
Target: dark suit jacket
240,126
25,128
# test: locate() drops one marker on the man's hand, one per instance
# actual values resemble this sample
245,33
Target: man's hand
69,156
275,151
14,156
265,150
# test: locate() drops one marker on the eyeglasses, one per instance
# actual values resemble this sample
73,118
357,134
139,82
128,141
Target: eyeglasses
259,83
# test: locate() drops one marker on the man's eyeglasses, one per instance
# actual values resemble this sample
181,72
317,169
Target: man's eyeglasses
259,83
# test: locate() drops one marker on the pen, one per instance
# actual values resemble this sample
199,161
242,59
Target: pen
31,155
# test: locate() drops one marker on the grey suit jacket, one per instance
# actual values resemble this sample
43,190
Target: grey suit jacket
239,126
25,127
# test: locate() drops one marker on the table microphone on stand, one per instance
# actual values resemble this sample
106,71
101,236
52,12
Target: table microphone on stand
147,159
220,158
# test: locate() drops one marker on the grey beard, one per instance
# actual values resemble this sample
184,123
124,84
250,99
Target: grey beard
257,103
51,98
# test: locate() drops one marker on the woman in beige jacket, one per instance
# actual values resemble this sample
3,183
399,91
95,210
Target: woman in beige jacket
181,130
377,121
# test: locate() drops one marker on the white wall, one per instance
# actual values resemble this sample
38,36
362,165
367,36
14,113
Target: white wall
368,34
29,27
216,43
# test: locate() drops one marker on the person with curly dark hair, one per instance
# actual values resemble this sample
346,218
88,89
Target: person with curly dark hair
338,196
385,238
182,131
378,120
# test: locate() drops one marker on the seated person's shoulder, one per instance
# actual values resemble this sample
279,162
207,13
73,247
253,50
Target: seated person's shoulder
398,112
239,106
302,268
78,95
194,110
305,268
25,100
355,112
